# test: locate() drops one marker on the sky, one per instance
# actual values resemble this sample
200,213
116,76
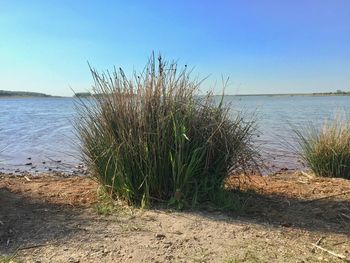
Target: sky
262,46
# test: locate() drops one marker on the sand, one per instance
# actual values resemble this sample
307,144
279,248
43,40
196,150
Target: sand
52,218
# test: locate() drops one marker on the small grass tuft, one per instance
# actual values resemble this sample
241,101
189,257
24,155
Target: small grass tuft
105,205
326,150
9,259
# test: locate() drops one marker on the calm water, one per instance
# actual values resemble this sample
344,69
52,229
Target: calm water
39,130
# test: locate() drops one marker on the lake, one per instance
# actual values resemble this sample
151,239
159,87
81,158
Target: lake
36,134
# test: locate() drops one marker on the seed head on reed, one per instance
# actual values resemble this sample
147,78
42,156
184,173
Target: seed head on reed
151,137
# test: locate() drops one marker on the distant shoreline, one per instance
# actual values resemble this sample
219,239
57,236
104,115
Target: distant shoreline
23,94
87,94
294,94
26,94
32,97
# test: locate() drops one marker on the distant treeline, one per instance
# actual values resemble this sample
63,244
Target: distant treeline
89,94
5,93
82,94
338,92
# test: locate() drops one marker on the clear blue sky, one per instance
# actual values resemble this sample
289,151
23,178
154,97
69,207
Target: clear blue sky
264,46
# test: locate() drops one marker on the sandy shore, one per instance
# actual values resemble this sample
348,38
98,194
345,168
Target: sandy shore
51,218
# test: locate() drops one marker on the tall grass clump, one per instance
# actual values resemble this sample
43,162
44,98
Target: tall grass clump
326,150
151,138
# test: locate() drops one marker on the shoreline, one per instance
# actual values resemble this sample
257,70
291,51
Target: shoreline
32,169
81,170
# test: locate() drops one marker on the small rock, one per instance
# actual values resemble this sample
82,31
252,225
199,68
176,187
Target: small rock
29,164
160,236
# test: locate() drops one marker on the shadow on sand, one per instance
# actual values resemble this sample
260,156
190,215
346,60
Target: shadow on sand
27,223
326,215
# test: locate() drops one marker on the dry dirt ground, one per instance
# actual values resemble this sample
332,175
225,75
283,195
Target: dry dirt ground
56,219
